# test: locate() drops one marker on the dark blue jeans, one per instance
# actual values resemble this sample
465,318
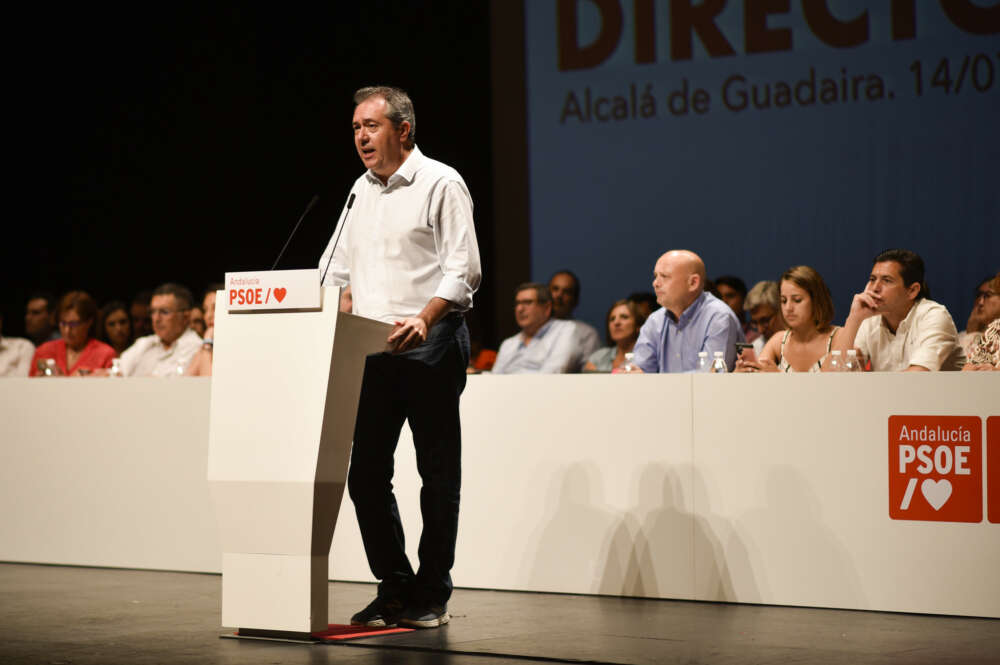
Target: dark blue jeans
423,386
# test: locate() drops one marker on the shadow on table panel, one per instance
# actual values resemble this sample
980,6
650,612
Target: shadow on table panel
566,558
788,533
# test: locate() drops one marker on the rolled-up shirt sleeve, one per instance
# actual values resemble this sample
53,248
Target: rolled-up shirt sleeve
861,339
458,250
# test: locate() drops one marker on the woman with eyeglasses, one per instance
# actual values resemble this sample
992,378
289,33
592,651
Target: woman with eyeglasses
763,302
807,308
76,353
984,352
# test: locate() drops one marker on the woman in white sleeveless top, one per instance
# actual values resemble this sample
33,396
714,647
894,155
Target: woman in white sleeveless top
807,308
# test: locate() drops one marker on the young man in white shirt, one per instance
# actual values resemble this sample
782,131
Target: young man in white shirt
895,325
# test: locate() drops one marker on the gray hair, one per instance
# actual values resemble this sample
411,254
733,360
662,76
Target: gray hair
181,293
398,107
542,291
763,293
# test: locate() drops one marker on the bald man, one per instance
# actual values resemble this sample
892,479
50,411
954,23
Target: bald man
690,321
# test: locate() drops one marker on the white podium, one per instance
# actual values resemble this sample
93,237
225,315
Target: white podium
285,391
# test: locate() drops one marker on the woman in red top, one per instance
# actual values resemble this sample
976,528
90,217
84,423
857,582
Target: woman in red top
77,353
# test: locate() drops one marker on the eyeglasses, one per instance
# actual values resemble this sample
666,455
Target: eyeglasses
762,321
70,324
165,312
985,295
531,301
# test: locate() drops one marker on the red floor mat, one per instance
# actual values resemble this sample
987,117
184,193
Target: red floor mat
341,632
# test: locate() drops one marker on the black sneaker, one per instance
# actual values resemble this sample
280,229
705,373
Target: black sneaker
424,616
380,613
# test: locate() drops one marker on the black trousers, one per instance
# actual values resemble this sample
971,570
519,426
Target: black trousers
422,386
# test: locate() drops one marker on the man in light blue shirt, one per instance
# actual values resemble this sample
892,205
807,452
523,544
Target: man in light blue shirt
545,345
690,321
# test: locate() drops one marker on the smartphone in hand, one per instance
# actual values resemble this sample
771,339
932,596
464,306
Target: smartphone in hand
745,352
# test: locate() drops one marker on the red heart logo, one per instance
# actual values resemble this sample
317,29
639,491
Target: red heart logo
279,294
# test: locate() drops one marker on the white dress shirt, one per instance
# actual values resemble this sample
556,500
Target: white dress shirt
587,339
15,356
407,241
554,349
149,357
926,337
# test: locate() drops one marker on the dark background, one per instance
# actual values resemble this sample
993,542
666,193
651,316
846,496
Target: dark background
165,143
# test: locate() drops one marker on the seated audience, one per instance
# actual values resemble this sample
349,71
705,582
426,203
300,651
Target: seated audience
645,303
624,322
40,318
142,325
896,325
545,345
985,308
481,359
565,289
691,320
15,354
201,364
346,300
984,353
77,352
807,309
168,351
764,306
198,320
114,327
733,291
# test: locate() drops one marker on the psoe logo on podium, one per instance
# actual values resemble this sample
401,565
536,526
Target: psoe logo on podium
272,290
936,468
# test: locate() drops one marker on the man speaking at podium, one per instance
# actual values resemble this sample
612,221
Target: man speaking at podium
407,246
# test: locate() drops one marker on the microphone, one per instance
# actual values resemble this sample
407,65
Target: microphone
309,207
340,230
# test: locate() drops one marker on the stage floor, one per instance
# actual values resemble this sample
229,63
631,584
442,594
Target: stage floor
84,616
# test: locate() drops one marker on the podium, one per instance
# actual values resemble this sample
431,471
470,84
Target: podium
285,390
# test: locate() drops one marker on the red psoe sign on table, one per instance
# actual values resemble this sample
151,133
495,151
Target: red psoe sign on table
936,468
993,469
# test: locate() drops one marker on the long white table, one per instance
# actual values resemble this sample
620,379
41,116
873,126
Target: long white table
749,488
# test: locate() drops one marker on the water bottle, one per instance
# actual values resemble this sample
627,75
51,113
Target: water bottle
703,364
836,363
719,364
629,367
116,368
852,364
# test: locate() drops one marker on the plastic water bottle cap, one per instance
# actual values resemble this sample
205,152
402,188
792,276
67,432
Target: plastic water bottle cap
718,354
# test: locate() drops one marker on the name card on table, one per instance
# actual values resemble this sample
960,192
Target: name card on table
272,289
